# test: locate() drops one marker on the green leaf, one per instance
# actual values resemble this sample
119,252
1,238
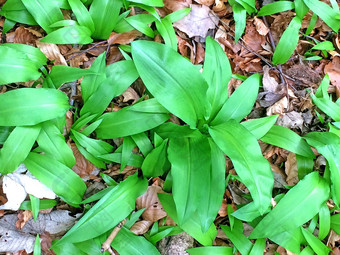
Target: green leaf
258,247
44,204
321,92
82,14
120,76
156,162
44,12
17,147
325,12
324,221
35,204
90,83
307,196
127,147
182,94
290,240
211,250
167,32
275,7
172,130
288,42
16,66
318,246
305,166
127,242
58,177
16,11
104,14
69,35
287,139
335,223
130,120
155,3
236,107
141,23
108,211
30,106
260,127
37,246
325,45
53,144
252,168
328,145
143,143
134,160
327,106
179,14
240,15
236,236
192,226
217,73
301,8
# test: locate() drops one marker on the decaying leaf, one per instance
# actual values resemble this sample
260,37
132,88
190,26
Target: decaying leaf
261,28
197,22
130,95
83,167
175,5
205,2
291,119
23,217
52,52
291,170
333,70
141,227
279,107
123,38
153,208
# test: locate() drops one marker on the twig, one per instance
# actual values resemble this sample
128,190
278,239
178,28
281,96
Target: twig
106,246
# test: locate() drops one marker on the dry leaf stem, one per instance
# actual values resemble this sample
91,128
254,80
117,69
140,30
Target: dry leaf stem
106,246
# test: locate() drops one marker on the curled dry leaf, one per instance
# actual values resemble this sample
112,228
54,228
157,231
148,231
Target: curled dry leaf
141,227
153,208
205,2
123,38
291,120
175,5
269,82
83,167
333,70
261,28
130,94
52,52
197,22
291,169
23,217
279,107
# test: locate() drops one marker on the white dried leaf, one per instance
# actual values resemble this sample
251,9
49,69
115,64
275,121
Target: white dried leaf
15,194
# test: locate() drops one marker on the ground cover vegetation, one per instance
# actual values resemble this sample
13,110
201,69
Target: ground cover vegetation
158,127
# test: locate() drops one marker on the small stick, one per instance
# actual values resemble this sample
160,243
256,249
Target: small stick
106,246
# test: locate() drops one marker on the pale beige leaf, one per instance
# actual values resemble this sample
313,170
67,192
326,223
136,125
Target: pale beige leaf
278,108
130,95
52,52
205,2
153,208
141,227
261,28
269,83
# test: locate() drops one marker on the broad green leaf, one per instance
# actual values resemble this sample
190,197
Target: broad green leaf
96,160
301,8
325,12
312,24
335,223
259,127
211,250
104,14
275,7
172,130
305,166
240,15
15,10
69,35
307,251
127,243
319,247
82,14
236,107
217,73
120,76
37,246
35,204
166,30
179,14
236,236
30,106
64,23
8,25
328,145
325,45
134,160
182,94
327,106
61,74
130,120
307,196
258,247
44,204
141,23
52,143
4,133
322,89
324,221
252,168
290,240
58,177
287,139
90,83
17,147
248,212
143,143
127,147
108,211
248,5
156,162
16,67
44,12
154,3
288,42
192,226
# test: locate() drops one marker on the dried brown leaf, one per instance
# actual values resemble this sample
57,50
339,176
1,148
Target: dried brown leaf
153,207
291,169
141,227
278,108
83,167
52,52
123,38
130,95
205,2
261,28
175,5
333,70
21,35
269,82
23,217
197,22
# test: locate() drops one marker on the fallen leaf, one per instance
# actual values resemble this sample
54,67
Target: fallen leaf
23,217
269,83
83,167
291,120
333,70
130,95
21,35
261,28
52,52
304,75
197,22
175,5
291,169
279,107
123,38
141,227
153,208
205,2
